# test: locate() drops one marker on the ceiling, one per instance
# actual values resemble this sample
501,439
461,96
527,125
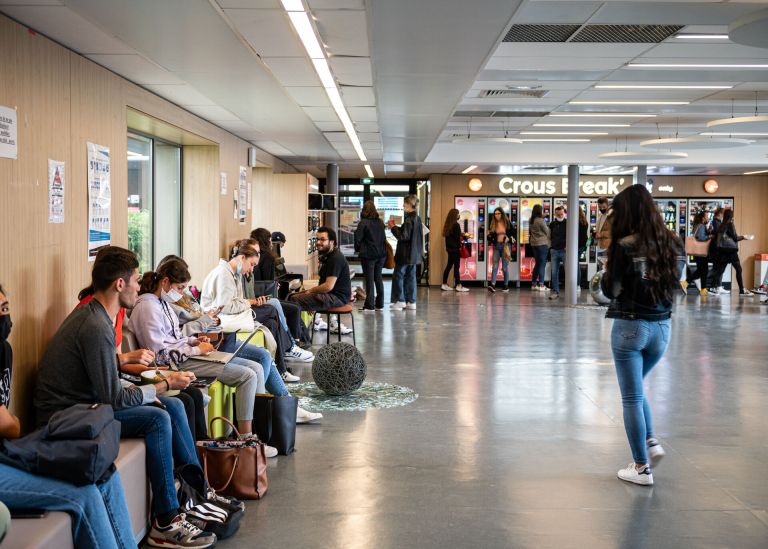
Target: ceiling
416,76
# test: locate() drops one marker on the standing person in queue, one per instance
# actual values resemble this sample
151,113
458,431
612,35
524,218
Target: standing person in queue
410,246
602,230
645,263
717,219
702,234
557,230
499,234
583,237
727,253
369,245
453,243
538,238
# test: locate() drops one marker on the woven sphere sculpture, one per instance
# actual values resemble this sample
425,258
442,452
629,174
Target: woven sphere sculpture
597,291
339,369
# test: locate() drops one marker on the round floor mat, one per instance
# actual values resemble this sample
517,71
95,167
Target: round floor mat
371,395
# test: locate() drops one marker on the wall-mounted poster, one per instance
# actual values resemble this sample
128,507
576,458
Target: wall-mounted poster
8,131
223,177
242,199
250,196
55,191
99,199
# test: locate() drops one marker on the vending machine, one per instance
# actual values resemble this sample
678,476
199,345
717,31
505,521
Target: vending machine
472,221
674,212
526,207
510,207
588,259
696,205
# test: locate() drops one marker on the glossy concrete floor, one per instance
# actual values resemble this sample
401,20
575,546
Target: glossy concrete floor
517,435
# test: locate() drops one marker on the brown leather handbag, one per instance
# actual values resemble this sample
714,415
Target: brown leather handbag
389,262
236,467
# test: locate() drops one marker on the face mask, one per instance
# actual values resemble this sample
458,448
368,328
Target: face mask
171,297
239,269
5,327
559,217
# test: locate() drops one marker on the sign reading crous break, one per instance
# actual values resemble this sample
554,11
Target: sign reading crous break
538,187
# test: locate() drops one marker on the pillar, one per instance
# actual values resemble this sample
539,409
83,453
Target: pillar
332,187
572,240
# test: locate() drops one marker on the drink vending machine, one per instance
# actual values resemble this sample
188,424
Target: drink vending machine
526,207
674,213
510,207
696,205
472,222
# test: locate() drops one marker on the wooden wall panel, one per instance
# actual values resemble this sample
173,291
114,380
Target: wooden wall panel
200,191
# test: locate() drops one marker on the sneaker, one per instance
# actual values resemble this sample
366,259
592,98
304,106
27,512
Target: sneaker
410,306
505,289
554,295
446,288
270,451
703,291
461,288
764,300
398,306
344,329
224,500
379,308
179,534
643,477
297,354
320,324
545,288
745,292
303,416
491,288
288,377
684,285
655,451
367,310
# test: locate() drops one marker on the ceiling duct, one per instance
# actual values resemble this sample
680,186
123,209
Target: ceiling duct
499,114
540,33
500,94
602,34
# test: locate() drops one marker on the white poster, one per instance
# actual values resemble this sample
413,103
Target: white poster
8,145
249,195
99,199
242,199
55,191
234,203
223,177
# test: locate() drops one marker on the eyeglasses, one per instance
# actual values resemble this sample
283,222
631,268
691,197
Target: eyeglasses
323,240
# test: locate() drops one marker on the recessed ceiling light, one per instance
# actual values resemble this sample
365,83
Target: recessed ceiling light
563,133
694,66
556,140
753,173
601,114
628,102
469,169
702,36
369,171
293,5
658,87
734,134
543,125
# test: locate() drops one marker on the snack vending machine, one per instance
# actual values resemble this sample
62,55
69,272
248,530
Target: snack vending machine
526,206
510,207
695,205
673,212
472,213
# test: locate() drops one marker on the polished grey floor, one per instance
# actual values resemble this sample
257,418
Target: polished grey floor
517,435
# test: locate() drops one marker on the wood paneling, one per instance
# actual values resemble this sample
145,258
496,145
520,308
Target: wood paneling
201,190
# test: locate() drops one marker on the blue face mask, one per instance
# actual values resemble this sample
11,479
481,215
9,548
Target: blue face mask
239,269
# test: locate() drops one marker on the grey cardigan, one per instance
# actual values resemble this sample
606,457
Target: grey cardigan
539,233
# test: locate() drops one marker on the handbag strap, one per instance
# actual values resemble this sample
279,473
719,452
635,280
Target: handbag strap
225,420
231,474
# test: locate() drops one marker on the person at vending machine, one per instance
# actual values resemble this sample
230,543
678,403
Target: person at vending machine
727,253
453,242
369,245
583,237
500,235
602,230
408,255
557,229
702,233
538,238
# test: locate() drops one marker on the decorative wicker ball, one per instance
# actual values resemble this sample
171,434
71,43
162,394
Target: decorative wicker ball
596,290
339,369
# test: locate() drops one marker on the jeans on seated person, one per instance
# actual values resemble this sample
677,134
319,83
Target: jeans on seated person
403,284
253,353
166,434
99,513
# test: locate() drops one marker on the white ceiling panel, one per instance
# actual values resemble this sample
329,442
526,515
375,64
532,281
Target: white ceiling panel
329,126
707,50
358,96
555,63
31,3
366,137
269,32
375,155
555,12
66,27
240,128
250,4
212,113
344,32
320,114
273,148
293,71
530,84
336,4
136,69
670,13
367,127
571,49
309,96
362,114
352,71
336,137
183,94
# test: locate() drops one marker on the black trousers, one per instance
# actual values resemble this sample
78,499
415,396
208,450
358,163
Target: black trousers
453,262
701,272
722,261
269,318
192,399
373,281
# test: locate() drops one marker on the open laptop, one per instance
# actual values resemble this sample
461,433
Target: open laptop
222,357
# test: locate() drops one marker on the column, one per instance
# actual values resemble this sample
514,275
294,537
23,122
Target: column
572,240
641,175
332,187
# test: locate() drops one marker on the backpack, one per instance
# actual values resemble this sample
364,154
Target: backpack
215,514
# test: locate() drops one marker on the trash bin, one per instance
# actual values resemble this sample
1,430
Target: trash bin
761,269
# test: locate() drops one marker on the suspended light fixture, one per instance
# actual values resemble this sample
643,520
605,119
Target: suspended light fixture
695,143
643,155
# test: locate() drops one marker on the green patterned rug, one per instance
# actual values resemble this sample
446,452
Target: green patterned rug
370,395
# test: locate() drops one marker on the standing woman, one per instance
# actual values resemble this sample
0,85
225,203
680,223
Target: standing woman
701,234
645,263
727,253
538,238
453,244
583,237
369,245
499,233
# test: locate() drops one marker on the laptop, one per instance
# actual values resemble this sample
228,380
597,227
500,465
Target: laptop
223,358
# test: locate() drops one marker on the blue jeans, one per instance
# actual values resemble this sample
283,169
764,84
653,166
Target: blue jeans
578,267
637,346
540,265
498,256
277,306
168,439
558,258
272,379
403,284
99,513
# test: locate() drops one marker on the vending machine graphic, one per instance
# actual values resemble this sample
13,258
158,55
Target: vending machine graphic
526,207
471,210
510,207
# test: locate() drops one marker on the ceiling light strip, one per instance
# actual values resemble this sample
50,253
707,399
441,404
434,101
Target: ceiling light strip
469,169
545,125
658,87
563,133
702,36
556,140
757,172
628,102
601,115
369,171
695,66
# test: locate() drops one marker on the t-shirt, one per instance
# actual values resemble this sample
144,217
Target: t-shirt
6,371
335,264
118,322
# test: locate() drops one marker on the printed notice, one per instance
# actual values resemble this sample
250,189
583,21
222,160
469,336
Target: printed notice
249,195
243,197
55,191
8,132
223,177
99,199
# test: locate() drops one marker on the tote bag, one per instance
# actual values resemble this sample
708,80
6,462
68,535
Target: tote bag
695,247
240,322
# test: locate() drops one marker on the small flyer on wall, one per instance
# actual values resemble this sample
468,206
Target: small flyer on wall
223,177
8,132
234,203
243,198
99,199
55,191
249,195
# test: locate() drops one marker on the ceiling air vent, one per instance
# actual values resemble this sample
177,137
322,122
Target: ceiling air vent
473,114
517,114
512,93
639,34
540,33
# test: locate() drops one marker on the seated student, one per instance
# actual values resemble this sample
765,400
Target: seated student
223,289
99,514
80,366
335,288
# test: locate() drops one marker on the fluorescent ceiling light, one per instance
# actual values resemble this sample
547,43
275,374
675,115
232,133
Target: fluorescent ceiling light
369,171
563,133
753,173
628,102
306,33
542,125
293,5
324,72
734,134
658,87
469,169
602,114
694,66
702,36
556,140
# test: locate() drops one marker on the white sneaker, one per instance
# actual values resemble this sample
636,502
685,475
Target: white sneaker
410,306
179,533
446,288
297,354
745,293
288,377
655,451
461,288
270,451
344,329
642,477
303,416
320,324
399,306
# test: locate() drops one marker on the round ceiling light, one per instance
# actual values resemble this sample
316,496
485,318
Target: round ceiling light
644,155
742,124
695,143
711,186
750,30
475,184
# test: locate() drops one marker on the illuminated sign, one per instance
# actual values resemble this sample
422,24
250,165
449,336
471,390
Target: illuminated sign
710,186
508,185
666,188
475,184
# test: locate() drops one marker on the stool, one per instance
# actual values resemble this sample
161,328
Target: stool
338,311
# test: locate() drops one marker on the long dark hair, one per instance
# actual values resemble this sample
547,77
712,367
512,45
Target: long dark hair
698,219
635,213
727,221
536,212
450,220
503,220
582,217
369,210
174,269
264,238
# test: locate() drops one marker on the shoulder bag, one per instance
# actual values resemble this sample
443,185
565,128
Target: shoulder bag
274,421
697,248
240,322
389,262
725,242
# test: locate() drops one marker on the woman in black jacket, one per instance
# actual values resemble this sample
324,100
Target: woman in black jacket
645,263
453,244
369,245
727,253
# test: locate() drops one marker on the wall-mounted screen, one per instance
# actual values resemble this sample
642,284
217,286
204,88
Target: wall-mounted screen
314,201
